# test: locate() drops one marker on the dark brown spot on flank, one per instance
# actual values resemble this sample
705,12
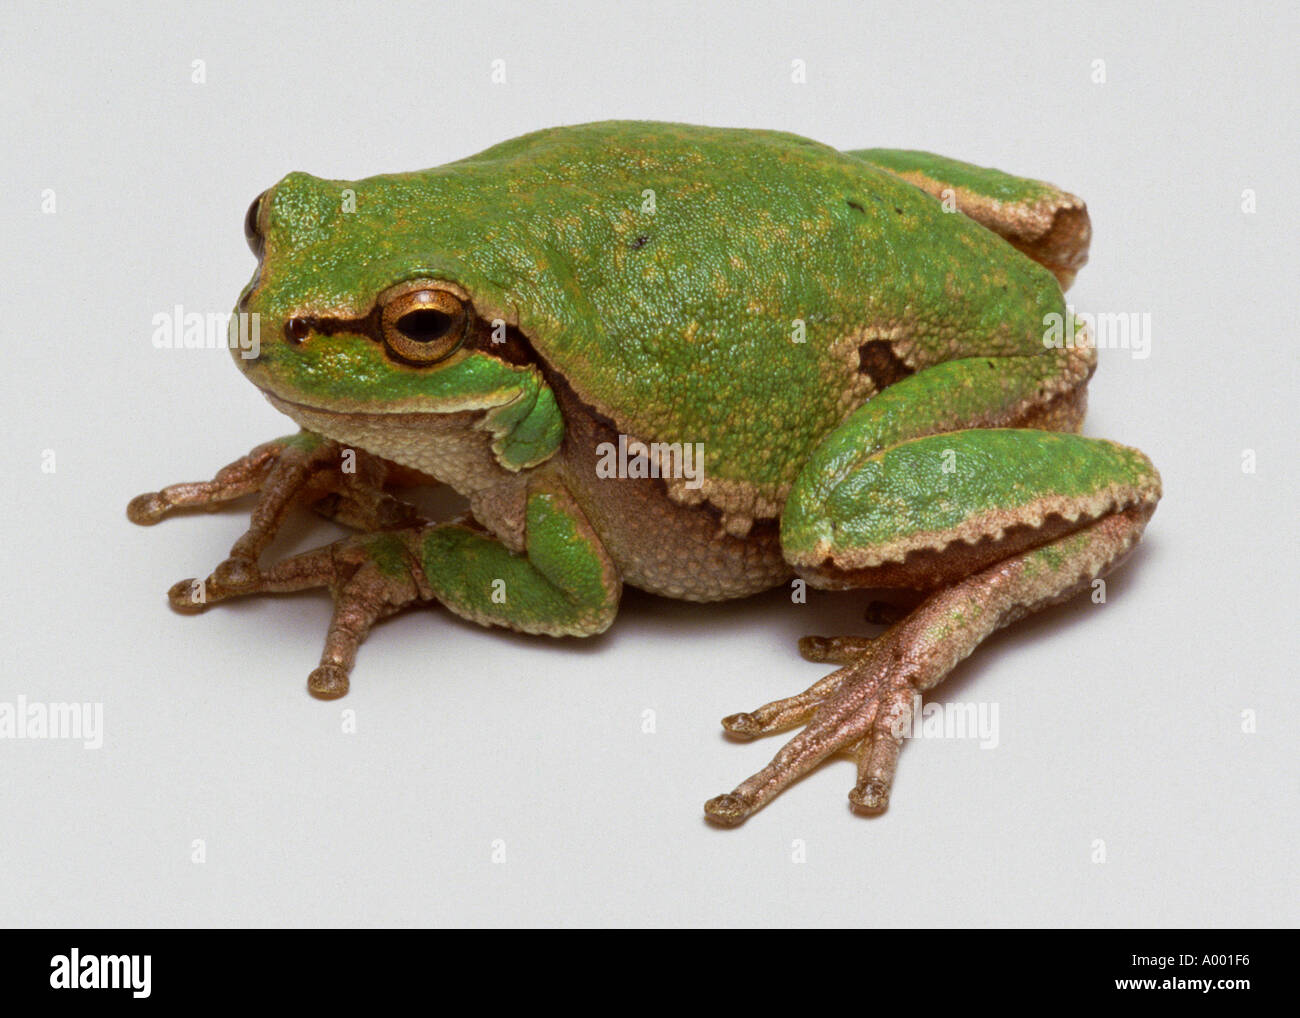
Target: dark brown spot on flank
877,360
640,242
856,207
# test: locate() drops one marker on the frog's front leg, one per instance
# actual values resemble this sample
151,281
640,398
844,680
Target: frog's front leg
996,523
342,484
561,584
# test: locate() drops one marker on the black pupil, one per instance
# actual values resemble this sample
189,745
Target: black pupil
425,325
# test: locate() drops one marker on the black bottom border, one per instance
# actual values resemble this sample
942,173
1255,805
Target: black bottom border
337,967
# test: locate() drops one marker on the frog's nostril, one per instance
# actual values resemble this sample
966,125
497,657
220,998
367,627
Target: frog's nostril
296,330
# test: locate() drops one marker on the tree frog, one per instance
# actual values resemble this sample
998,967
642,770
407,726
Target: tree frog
702,362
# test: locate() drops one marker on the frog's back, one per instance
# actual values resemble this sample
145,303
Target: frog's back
737,288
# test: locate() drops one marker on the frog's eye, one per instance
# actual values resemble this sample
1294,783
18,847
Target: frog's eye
423,326
252,227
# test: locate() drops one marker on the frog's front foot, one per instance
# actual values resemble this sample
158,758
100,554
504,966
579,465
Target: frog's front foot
370,577
342,484
863,708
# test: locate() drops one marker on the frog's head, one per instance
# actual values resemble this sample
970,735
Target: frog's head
379,325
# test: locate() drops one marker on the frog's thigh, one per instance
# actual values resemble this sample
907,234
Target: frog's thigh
1046,391
997,523
562,584
1049,225
928,511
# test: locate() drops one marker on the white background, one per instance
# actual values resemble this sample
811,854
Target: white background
1120,722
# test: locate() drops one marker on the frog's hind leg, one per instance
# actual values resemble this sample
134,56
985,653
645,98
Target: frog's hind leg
790,711
1049,225
866,707
995,523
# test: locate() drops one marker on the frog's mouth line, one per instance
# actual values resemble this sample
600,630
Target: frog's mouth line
285,406
288,406
296,410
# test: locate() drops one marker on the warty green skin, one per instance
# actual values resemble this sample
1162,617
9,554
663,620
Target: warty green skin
675,324
981,180
865,372
890,496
